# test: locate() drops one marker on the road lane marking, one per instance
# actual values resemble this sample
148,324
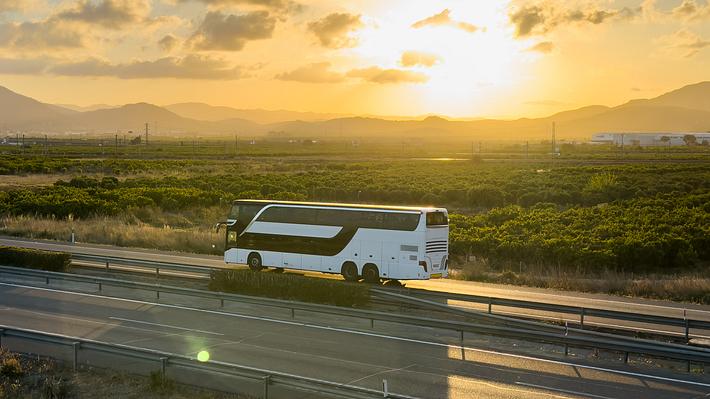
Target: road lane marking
164,325
354,332
589,395
387,370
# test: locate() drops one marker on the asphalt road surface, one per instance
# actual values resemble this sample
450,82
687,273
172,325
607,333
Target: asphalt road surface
415,361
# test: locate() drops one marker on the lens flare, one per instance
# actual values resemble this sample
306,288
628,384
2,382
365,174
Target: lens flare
203,356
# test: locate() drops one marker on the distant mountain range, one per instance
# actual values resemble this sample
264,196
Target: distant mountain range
684,109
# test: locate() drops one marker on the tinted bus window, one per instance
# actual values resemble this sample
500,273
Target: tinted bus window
436,219
401,221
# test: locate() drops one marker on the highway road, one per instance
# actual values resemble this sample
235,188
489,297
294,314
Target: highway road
417,362
600,301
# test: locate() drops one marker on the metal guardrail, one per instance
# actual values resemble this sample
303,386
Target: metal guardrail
165,359
546,333
583,312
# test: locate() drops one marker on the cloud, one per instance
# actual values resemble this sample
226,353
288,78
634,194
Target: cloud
31,66
231,32
542,47
11,5
444,19
335,30
418,58
40,36
111,14
689,43
541,18
188,67
691,10
318,72
168,42
379,75
273,5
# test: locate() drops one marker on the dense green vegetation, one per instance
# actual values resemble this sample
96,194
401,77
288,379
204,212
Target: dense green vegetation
289,286
579,216
34,259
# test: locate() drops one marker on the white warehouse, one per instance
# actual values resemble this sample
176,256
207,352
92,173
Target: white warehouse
652,139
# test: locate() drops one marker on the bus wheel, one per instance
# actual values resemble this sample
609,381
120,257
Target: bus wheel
254,262
349,271
370,273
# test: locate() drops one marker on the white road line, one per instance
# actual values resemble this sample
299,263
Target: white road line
164,325
589,395
354,332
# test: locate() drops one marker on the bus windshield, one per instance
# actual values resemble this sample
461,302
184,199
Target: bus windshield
234,212
436,219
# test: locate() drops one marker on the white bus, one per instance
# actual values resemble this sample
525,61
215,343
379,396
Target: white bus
374,243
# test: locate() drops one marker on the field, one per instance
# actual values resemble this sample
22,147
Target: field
518,215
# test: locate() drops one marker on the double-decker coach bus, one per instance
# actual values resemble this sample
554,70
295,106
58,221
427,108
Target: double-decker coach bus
358,241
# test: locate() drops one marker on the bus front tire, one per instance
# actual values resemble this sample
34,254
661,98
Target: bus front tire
254,262
349,271
370,274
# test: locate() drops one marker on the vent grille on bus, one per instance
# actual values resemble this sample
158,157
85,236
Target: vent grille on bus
436,246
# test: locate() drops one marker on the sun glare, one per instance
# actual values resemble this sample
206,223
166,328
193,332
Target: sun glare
470,64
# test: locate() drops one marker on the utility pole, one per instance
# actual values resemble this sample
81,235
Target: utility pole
553,143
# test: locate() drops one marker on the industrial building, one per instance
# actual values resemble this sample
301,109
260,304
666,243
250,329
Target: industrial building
652,139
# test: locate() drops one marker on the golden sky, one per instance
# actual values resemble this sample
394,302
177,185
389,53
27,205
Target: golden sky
464,58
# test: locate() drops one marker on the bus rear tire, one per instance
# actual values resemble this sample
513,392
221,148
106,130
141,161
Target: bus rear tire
254,262
371,274
349,271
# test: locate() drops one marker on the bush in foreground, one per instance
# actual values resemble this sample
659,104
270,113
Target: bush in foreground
35,259
285,286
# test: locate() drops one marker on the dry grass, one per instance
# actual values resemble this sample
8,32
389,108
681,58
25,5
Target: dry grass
686,288
116,231
43,378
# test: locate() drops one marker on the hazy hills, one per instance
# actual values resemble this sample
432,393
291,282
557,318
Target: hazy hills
684,109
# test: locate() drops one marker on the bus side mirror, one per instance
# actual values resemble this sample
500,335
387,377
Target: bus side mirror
218,226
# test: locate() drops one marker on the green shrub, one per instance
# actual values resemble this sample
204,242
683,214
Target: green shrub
35,259
285,286
11,368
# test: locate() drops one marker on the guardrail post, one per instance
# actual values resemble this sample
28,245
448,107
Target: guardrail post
687,325
490,305
75,348
581,319
163,367
221,302
626,357
157,294
46,280
566,350
463,350
267,381
106,265
2,332
372,323
157,272
385,389
293,313
99,287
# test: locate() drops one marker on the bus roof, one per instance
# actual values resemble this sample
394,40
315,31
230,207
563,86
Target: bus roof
342,205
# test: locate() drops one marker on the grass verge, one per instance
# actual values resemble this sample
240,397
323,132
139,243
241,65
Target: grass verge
693,288
291,287
36,377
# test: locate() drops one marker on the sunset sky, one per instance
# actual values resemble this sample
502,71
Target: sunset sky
388,57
